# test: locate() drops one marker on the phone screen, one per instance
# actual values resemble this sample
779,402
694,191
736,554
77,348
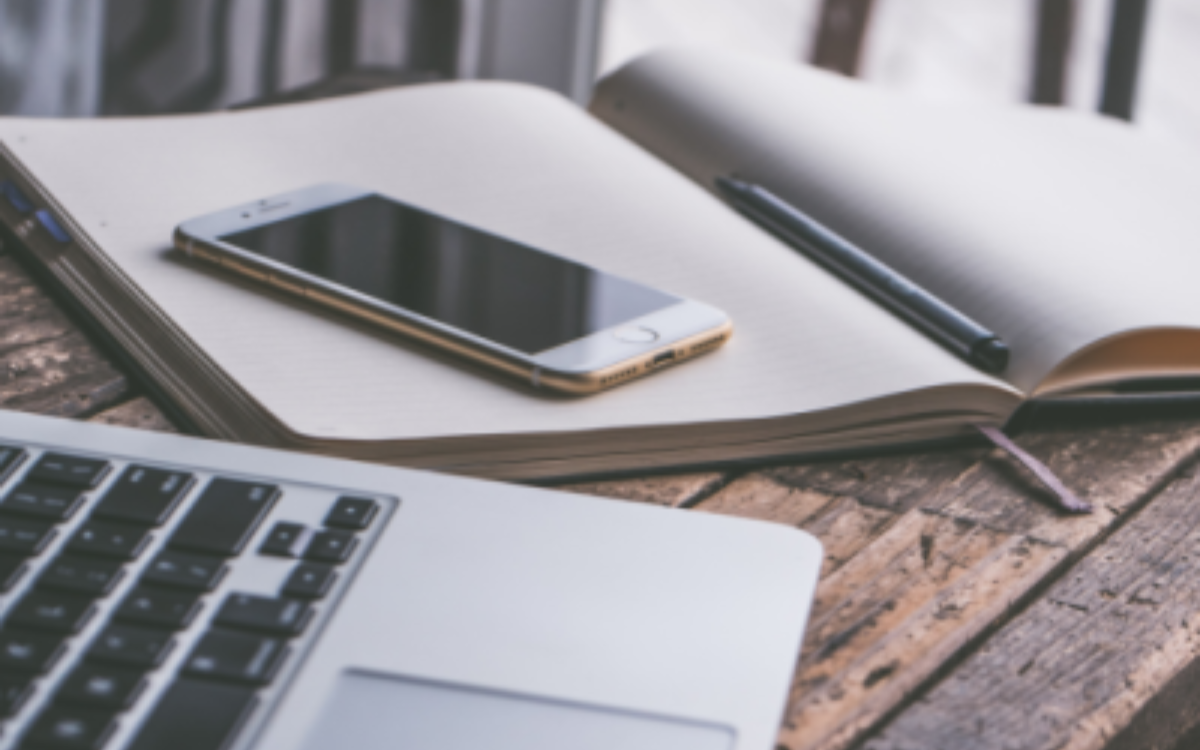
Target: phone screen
495,288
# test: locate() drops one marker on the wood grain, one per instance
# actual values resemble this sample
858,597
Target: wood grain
47,365
139,412
1076,668
951,542
671,491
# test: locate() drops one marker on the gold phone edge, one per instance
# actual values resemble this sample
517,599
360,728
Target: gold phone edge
681,350
574,384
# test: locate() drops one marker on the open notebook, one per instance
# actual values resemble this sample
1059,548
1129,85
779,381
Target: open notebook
1074,239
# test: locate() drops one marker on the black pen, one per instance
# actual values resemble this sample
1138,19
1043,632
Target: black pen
935,318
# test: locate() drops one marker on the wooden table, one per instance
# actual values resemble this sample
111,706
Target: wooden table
956,609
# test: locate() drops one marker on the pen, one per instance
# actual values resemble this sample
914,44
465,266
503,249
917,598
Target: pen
941,322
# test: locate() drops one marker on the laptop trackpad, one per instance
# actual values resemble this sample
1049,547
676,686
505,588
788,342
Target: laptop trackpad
373,711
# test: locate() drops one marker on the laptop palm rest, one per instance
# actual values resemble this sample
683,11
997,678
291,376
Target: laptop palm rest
376,711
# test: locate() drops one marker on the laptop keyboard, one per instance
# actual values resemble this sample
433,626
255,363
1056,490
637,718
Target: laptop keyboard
152,606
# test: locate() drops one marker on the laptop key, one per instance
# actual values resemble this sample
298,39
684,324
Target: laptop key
101,686
74,471
11,457
24,537
109,540
238,657
196,715
12,568
277,616
70,728
284,540
331,546
51,612
309,581
46,501
83,575
133,647
162,608
23,652
354,513
186,571
224,517
144,496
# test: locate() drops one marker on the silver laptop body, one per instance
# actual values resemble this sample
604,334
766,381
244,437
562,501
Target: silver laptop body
460,614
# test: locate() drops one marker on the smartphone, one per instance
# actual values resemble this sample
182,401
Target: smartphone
519,310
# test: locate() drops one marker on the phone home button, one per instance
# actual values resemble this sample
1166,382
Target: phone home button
636,335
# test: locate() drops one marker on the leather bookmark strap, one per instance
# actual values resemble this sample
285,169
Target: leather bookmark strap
1068,500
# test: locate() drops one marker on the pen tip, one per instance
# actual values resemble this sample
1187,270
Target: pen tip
727,185
991,355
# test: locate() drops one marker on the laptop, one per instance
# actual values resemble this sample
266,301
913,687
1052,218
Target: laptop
167,592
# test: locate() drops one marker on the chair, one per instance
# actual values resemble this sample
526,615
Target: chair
843,24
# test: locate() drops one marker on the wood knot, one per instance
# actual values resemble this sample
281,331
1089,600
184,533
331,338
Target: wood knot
927,548
879,674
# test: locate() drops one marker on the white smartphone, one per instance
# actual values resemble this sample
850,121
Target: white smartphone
552,322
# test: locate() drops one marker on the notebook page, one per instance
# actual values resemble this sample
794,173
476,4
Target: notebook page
1054,229
511,159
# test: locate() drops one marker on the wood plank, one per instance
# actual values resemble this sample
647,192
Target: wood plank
843,523
140,413
846,502
1104,644
1171,719
895,480
968,537
672,491
47,365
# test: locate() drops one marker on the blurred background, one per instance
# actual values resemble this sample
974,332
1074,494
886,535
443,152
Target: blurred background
1133,59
